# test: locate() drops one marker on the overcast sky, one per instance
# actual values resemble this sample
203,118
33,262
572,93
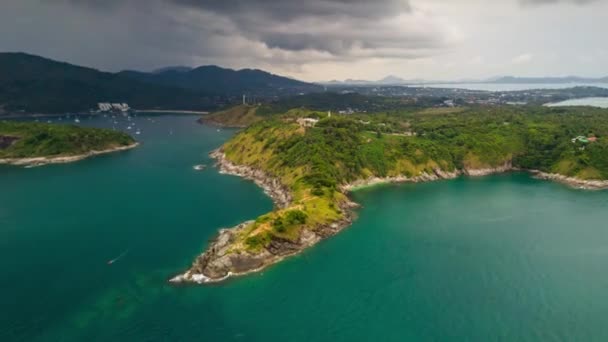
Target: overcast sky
319,39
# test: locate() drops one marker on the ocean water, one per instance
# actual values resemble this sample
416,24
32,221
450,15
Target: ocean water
498,258
601,102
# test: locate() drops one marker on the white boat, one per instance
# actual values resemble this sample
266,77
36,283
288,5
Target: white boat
138,132
76,120
199,167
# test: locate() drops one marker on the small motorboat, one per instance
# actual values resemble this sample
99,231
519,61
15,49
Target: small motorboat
110,262
199,167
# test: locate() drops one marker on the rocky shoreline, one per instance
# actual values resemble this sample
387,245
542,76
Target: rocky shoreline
428,177
571,181
272,187
219,262
40,161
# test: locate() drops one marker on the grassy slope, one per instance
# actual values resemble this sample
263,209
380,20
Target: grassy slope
253,148
237,116
313,162
48,140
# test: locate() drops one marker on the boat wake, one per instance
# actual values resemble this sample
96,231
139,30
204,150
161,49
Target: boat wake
118,257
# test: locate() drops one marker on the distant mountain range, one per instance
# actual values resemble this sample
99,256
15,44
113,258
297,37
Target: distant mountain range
215,80
394,80
33,84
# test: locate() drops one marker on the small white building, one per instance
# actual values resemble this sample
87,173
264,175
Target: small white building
108,107
104,106
307,122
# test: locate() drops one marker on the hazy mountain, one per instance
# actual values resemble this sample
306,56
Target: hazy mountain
216,80
35,84
391,80
172,69
31,83
394,80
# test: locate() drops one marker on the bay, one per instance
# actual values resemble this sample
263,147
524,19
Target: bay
496,258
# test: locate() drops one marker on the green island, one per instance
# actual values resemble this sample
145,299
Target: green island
31,143
308,161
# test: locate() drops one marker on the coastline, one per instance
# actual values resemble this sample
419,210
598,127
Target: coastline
272,187
40,161
217,263
571,181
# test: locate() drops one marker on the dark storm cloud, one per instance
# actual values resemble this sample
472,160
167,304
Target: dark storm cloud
337,27
275,34
326,28
293,9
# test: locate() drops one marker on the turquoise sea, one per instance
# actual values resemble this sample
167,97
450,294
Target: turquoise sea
500,258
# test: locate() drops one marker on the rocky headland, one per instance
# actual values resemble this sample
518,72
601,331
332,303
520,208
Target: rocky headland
220,262
40,161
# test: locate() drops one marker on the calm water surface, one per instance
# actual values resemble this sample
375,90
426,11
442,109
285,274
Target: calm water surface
601,102
513,86
492,259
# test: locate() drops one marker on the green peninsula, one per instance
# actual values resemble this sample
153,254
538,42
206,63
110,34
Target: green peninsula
308,161
29,143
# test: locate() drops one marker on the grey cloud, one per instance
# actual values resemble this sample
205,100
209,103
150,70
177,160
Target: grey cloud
283,36
334,27
549,2
293,9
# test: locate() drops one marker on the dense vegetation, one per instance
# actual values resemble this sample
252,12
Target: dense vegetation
336,102
25,140
315,162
